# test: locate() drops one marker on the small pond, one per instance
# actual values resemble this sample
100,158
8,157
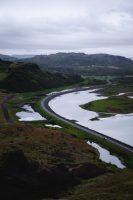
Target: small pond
29,114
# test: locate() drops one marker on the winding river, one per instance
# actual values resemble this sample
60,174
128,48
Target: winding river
118,126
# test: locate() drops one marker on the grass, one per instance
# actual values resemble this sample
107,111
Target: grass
11,104
30,95
40,144
34,160
2,75
50,151
111,187
19,99
13,107
103,78
45,161
114,104
2,95
91,80
116,88
2,119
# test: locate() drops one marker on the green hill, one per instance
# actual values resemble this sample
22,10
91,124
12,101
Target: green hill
95,64
40,163
7,58
3,69
25,77
37,163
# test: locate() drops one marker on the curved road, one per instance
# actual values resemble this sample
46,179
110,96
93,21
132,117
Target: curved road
46,107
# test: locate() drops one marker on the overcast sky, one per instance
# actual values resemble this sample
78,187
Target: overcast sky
49,26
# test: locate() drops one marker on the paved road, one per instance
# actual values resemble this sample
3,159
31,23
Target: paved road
45,106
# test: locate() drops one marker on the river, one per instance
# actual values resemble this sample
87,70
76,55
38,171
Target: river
68,106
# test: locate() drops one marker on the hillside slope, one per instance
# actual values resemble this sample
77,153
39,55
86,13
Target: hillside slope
95,64
36,163
7,58
115,187
39,163
25,77
4,64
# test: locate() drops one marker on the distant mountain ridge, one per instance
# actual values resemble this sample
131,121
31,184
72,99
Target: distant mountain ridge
7,58
81,63
23,56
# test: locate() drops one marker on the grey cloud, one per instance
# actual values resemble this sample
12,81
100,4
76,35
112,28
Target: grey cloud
44,25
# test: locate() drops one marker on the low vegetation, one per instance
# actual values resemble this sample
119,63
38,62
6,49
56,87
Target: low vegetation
83,64
114,104
39,162
113,187
122,84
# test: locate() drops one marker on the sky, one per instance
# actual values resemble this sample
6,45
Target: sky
50,26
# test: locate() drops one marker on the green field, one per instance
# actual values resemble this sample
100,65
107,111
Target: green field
114,104
118,85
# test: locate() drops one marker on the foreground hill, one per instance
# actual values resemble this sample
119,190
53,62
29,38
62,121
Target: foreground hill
24,77
36,163
95,64
39,163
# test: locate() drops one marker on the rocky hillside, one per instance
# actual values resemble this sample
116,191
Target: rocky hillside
95,64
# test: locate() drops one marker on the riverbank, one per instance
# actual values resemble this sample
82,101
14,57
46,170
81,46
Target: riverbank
114,105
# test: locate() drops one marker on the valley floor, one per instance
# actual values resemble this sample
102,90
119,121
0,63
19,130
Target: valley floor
45,163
